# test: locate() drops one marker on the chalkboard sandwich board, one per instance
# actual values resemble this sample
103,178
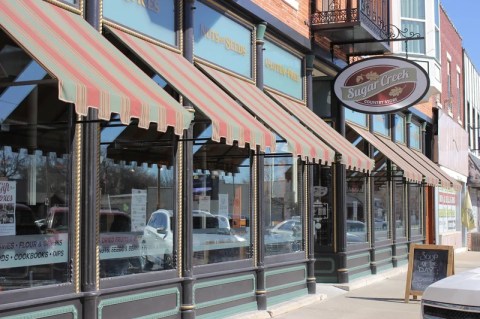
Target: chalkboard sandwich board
426,265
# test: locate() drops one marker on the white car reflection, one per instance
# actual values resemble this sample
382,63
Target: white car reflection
211,232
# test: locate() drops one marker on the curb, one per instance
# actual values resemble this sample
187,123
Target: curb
281,308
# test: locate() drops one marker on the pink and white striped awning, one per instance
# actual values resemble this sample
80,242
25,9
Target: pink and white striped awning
91,72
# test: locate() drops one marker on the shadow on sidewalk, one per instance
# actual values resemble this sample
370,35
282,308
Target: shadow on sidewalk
394,300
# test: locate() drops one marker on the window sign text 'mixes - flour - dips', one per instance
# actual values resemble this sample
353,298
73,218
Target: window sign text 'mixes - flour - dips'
381,85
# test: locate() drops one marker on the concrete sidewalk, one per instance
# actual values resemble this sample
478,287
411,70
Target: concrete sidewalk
378,296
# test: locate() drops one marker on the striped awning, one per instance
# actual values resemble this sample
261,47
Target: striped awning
409,172
229,119
419,158
91,72
300,141
352,157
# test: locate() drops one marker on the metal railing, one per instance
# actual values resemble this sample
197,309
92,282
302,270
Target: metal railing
373,13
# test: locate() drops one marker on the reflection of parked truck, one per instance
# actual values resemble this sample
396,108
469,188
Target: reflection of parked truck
211,232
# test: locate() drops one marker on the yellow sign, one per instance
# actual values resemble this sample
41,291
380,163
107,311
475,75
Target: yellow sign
284,71
229,44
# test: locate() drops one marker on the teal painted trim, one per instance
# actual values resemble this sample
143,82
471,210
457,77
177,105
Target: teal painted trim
283,271
359,275
352,257
332,264
385,267
286,297
388,259
402,262
261,27
140,296
379,251
47,313
326,280
402,256
367,265
223,282
251,306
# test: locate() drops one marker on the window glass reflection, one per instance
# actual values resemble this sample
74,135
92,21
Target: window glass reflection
400,217
356,200
381,198
322,205
415,208
221,200
35,139
282,213
137,199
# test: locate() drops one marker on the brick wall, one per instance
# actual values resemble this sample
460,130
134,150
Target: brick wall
426,107
451,43
295,19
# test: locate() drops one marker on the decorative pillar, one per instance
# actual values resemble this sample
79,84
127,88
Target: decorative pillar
89,272
393,183
340,200
261,290
311,280
408,121
373,259
187,307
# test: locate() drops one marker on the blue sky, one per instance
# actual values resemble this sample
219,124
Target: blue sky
464,16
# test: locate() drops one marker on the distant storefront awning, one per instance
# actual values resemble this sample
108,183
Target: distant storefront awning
91,72
409,172
300,141
413,163
229,119
473,171
352,157
427,166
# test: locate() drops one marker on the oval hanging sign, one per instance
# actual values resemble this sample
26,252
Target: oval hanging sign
381,85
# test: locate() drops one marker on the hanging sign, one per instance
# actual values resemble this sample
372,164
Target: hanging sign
381,85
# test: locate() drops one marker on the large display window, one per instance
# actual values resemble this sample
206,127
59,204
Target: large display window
36,134
221,200
323,203
356,197
381,197
137,213
282,211
357,208
399,212
415,208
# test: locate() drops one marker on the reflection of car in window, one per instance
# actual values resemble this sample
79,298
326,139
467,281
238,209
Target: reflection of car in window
284,237
356,231
157,241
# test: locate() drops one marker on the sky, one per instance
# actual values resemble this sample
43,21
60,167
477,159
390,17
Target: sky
464,16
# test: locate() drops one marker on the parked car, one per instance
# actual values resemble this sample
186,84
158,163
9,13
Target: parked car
456,296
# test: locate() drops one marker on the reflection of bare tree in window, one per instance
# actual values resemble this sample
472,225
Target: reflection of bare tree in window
121,178
12,165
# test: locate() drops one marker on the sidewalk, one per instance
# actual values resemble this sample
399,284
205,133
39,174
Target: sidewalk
378,296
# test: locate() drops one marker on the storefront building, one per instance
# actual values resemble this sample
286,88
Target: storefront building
171,159
156,165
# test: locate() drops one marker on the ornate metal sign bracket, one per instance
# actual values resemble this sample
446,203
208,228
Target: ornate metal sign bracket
393,33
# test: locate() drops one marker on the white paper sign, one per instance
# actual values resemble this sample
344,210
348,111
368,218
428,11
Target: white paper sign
223,204
31,250
7,207
139,209
204,203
